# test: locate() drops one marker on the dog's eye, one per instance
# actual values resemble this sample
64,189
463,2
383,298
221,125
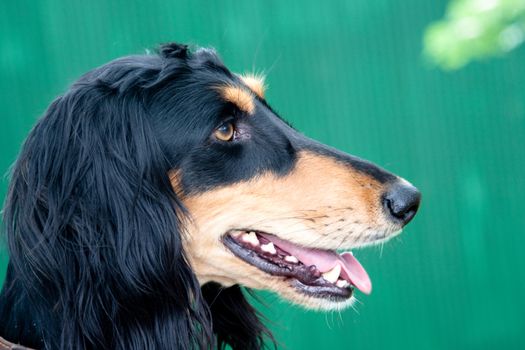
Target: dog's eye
225,132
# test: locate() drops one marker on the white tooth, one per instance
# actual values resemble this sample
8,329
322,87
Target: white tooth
342,283
269,248
236,234
250,238
291,259
332,275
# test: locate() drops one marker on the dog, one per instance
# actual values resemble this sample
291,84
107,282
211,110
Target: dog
156,187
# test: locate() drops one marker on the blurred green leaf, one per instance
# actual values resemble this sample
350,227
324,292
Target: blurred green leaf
473,30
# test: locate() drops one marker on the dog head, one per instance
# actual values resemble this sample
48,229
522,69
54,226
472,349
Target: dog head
155,175
269,207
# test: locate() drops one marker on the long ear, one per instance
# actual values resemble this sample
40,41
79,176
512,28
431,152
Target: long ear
235,321
93,229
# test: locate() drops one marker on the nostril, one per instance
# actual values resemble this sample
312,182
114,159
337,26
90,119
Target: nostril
400,209
402,202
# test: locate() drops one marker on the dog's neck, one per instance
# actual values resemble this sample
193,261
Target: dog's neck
18,320
35,326
7,345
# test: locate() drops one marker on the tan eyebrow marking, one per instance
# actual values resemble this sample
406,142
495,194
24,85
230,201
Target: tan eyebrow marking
240,97
255,82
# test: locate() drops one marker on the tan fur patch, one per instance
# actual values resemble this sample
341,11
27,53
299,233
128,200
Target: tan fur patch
255,82
239,96
321,203
175,182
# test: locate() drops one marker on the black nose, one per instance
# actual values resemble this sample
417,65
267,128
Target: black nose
401,202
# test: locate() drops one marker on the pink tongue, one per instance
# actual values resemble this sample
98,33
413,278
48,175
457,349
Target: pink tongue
324,260
353,270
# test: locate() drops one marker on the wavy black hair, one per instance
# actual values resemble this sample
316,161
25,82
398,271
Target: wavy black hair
93,224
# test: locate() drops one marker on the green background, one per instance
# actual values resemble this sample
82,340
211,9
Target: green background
350,74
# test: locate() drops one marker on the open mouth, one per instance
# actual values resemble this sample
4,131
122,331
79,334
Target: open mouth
318,273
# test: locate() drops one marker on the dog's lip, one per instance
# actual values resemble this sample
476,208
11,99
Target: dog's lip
319,272
305,279
325,260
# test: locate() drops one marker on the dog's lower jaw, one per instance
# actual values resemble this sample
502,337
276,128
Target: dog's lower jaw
286,292
256,279
317,304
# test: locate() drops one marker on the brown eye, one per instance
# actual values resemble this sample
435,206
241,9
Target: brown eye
225,132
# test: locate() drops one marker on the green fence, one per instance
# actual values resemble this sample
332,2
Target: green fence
350,74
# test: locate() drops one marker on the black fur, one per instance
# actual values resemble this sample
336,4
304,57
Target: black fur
93,224
234,319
